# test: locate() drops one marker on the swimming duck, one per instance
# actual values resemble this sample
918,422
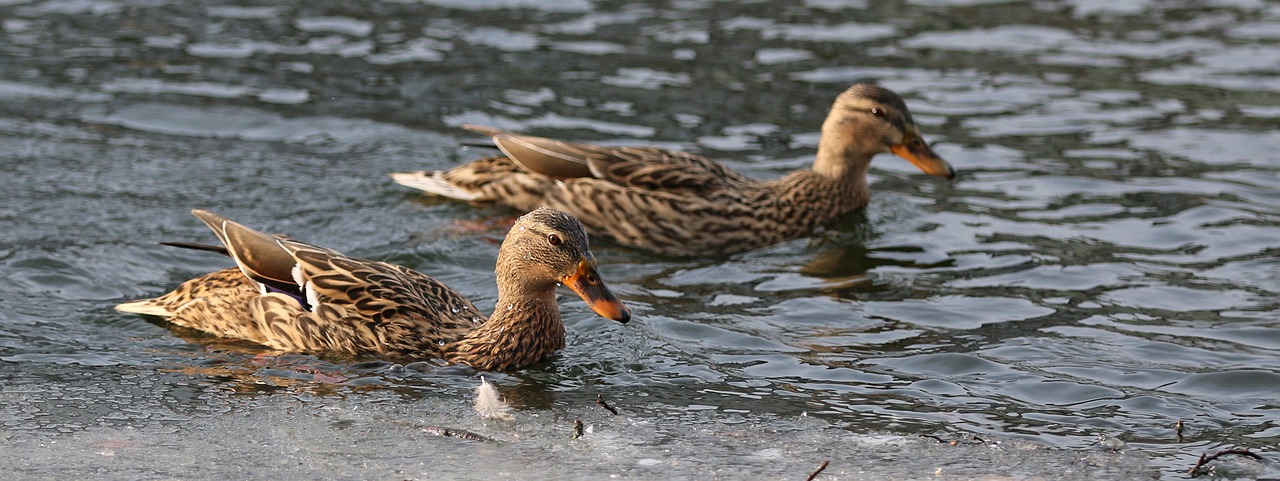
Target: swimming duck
683,204
292,296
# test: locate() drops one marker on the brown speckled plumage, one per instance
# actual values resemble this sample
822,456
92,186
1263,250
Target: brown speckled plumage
684,204
359,307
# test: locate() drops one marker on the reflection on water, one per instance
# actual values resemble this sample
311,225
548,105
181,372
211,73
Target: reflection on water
1106,264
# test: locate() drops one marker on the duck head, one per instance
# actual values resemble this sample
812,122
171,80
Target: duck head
547,247
866,120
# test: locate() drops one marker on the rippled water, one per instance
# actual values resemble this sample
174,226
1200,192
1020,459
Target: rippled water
1107,264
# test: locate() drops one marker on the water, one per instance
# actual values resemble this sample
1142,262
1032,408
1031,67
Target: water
1107,264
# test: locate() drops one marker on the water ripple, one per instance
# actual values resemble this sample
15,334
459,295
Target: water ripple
1106,262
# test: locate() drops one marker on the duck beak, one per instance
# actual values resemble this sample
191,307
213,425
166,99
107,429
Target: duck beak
586,282
917,152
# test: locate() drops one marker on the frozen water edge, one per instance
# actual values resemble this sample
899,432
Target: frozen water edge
303,437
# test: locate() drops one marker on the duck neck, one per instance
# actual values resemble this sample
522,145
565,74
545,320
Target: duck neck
842,171
840,163
525,328
807,199
534,308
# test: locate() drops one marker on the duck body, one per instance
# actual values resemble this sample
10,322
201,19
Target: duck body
683,204
292,296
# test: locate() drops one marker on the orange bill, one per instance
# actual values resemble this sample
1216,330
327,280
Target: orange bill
917,152
586,282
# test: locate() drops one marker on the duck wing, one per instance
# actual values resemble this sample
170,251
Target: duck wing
259,256
378,291
389,304
645,168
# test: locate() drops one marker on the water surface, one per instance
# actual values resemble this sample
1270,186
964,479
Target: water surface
1107,264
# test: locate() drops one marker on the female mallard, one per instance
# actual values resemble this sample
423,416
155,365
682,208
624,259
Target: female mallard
683,204
292,296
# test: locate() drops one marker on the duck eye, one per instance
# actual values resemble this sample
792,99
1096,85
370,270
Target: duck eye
553,239
877,112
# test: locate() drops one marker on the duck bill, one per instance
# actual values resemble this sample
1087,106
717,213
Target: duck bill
917,152
587,283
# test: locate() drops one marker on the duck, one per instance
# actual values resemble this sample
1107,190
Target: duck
683,204
292,296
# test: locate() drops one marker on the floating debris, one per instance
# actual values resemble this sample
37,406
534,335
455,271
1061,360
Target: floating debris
605,405
1200,470
821,467
488,405
457,433
954,442
1110,443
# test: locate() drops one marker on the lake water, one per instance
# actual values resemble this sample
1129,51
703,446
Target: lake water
1107,264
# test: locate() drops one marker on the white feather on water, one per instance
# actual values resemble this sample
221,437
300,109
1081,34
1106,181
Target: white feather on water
488,405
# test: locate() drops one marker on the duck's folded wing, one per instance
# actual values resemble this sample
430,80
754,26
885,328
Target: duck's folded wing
647,168
656,169
261,257
378,291
316,275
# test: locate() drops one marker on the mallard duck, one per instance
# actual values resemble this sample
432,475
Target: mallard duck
291,296
683,204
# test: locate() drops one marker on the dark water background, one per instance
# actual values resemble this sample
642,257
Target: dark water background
1108,263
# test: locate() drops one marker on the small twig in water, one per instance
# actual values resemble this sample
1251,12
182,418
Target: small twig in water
957,442
577,428
818,471
457,433
605,405
1195,470
448,432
